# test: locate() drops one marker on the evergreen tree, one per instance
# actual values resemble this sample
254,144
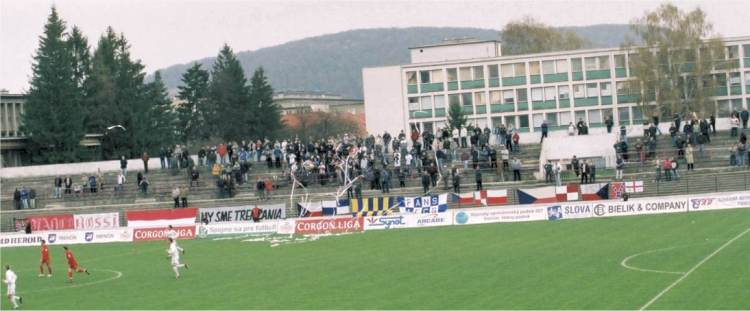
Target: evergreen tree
52,118
160,115
100,87
229,109
456,117
266,114
191,113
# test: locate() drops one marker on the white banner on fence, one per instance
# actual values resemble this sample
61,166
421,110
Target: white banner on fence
385,222
66,237
241,213
571,210
719,201
97,221
639,207
238,228
471,216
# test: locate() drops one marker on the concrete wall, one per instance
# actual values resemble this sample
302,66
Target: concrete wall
454,52
78,168
383,100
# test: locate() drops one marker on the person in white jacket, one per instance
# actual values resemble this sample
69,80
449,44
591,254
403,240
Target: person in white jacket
10,281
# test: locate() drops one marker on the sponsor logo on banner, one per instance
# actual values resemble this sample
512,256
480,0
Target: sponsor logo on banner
429,220
242,213
286,227
329,225
240,228
21,239
151,234
501,214
89,236
384,222
575,210
97,221
719,201
62,237
51,222
554,212
639,207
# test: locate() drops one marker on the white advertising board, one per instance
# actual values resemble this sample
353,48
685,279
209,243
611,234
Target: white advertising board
500,214
643,206
719,201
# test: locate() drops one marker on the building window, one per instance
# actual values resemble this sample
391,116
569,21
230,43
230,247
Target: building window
413,103
579,91
561,65
426,102
424,76
565,118
494,74
637,114
550,93
479,99
580,116
508,97
439,101
747,78
592,90
591,63
452,74
538,118
724,109
522,95
507,70
575,65
733,52
548,67
551,118
466,99
510,121
624,114
436,76
606,88
496,97
619,61
534,68
604,62
536,94
734,79
564,91
523,121
464,73
411,77
454,99
478,72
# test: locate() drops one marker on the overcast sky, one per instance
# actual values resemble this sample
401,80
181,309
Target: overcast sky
166,32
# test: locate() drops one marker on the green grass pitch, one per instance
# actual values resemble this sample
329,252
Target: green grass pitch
570,264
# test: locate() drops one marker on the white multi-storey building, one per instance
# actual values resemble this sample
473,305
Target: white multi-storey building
522,90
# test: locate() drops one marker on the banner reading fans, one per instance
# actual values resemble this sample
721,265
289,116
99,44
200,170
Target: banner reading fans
162,218
97,221
426,204
242,213
329,225
51,222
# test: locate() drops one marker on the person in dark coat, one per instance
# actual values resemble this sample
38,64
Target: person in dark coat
425,182
478,179
744,116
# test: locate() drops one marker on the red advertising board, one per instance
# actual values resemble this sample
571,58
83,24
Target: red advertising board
329,225
153,234
51,222
162,218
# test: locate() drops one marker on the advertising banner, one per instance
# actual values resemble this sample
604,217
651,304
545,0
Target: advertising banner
570,210
242,213
97,221
639,207
162,218
329,225
385,222
21,239
51,222
429,220
153,234
227,228
105,236
501,214
719,201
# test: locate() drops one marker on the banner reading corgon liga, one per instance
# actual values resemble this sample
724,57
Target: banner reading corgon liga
242,213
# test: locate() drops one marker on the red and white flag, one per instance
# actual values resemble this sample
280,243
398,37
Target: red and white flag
568,192
162,218
466,198
634,186
491,197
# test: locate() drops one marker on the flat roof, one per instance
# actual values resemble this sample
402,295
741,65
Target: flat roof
451,42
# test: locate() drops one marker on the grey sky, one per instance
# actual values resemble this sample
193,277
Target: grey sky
167,32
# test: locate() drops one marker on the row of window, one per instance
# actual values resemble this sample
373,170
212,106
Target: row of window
546,67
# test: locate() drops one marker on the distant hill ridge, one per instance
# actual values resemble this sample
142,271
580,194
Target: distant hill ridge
333,63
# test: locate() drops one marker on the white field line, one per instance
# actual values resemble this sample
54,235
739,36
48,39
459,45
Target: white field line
624,262
117,274
668,288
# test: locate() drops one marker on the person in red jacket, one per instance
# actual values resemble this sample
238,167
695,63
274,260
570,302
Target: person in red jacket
222,150
45,261
73,264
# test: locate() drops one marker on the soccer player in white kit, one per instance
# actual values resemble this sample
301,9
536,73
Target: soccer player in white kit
10,280
172,237
174,254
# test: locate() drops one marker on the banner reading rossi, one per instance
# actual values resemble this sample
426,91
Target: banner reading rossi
501,214
97,221
720,201
639,207
242,213
329,225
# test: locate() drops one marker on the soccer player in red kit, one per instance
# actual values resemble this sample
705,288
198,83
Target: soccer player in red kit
45,261
72,264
